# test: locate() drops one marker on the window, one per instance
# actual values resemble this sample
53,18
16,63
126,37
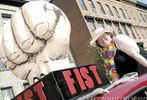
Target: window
116,12
100,7
124,28
128,14
145,30
108,10
92,6
143,17
83,5
70,57
138,16
26,85
72,62
133,15
7,93
137,32
140,94
131,31
1,22
108,22
91,23
142,32
100,22
5,17
122,13
2,66
118,31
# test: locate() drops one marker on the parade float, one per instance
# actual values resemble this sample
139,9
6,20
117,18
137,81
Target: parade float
36,41
35,47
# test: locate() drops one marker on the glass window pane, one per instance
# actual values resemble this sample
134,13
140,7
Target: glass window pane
108,10
124,28
142,94
7,93
128,14
26,85
2,66
100,23
91,23
108,22
100,7
82,3
142,32
133,15
70,57
92,6
116,12
145,17
122,13
117,28
138,17
5,17
131,31
137,32
142,17
145,28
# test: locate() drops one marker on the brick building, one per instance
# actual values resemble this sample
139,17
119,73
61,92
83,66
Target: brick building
125,16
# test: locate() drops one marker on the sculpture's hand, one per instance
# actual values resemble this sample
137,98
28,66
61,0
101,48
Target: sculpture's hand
36,40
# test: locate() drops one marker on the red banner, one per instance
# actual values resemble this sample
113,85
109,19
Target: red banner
66,84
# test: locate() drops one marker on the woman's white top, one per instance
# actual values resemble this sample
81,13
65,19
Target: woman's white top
126,44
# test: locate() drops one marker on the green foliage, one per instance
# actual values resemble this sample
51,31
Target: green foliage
96,53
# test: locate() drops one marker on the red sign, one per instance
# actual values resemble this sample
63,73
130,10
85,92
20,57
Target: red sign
85,81
66,84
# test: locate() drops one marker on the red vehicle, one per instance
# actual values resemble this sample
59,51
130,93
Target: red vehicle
135,90
86,82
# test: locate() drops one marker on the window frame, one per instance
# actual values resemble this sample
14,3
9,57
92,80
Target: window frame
91,20
7,88
110,13
136,92
83,5
101,8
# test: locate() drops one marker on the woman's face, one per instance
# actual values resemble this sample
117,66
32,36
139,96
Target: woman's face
104,40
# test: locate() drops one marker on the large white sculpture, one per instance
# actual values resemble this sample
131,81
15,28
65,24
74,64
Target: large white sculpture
36,41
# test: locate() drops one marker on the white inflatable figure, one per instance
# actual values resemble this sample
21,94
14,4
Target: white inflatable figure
36,41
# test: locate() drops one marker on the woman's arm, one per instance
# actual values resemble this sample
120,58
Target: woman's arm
129,46
139,58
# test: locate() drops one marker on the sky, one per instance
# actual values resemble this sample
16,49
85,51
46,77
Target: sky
144,1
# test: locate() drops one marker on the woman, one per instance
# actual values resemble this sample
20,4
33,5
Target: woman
121,53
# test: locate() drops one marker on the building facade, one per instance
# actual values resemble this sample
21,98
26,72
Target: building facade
87,15
10,85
